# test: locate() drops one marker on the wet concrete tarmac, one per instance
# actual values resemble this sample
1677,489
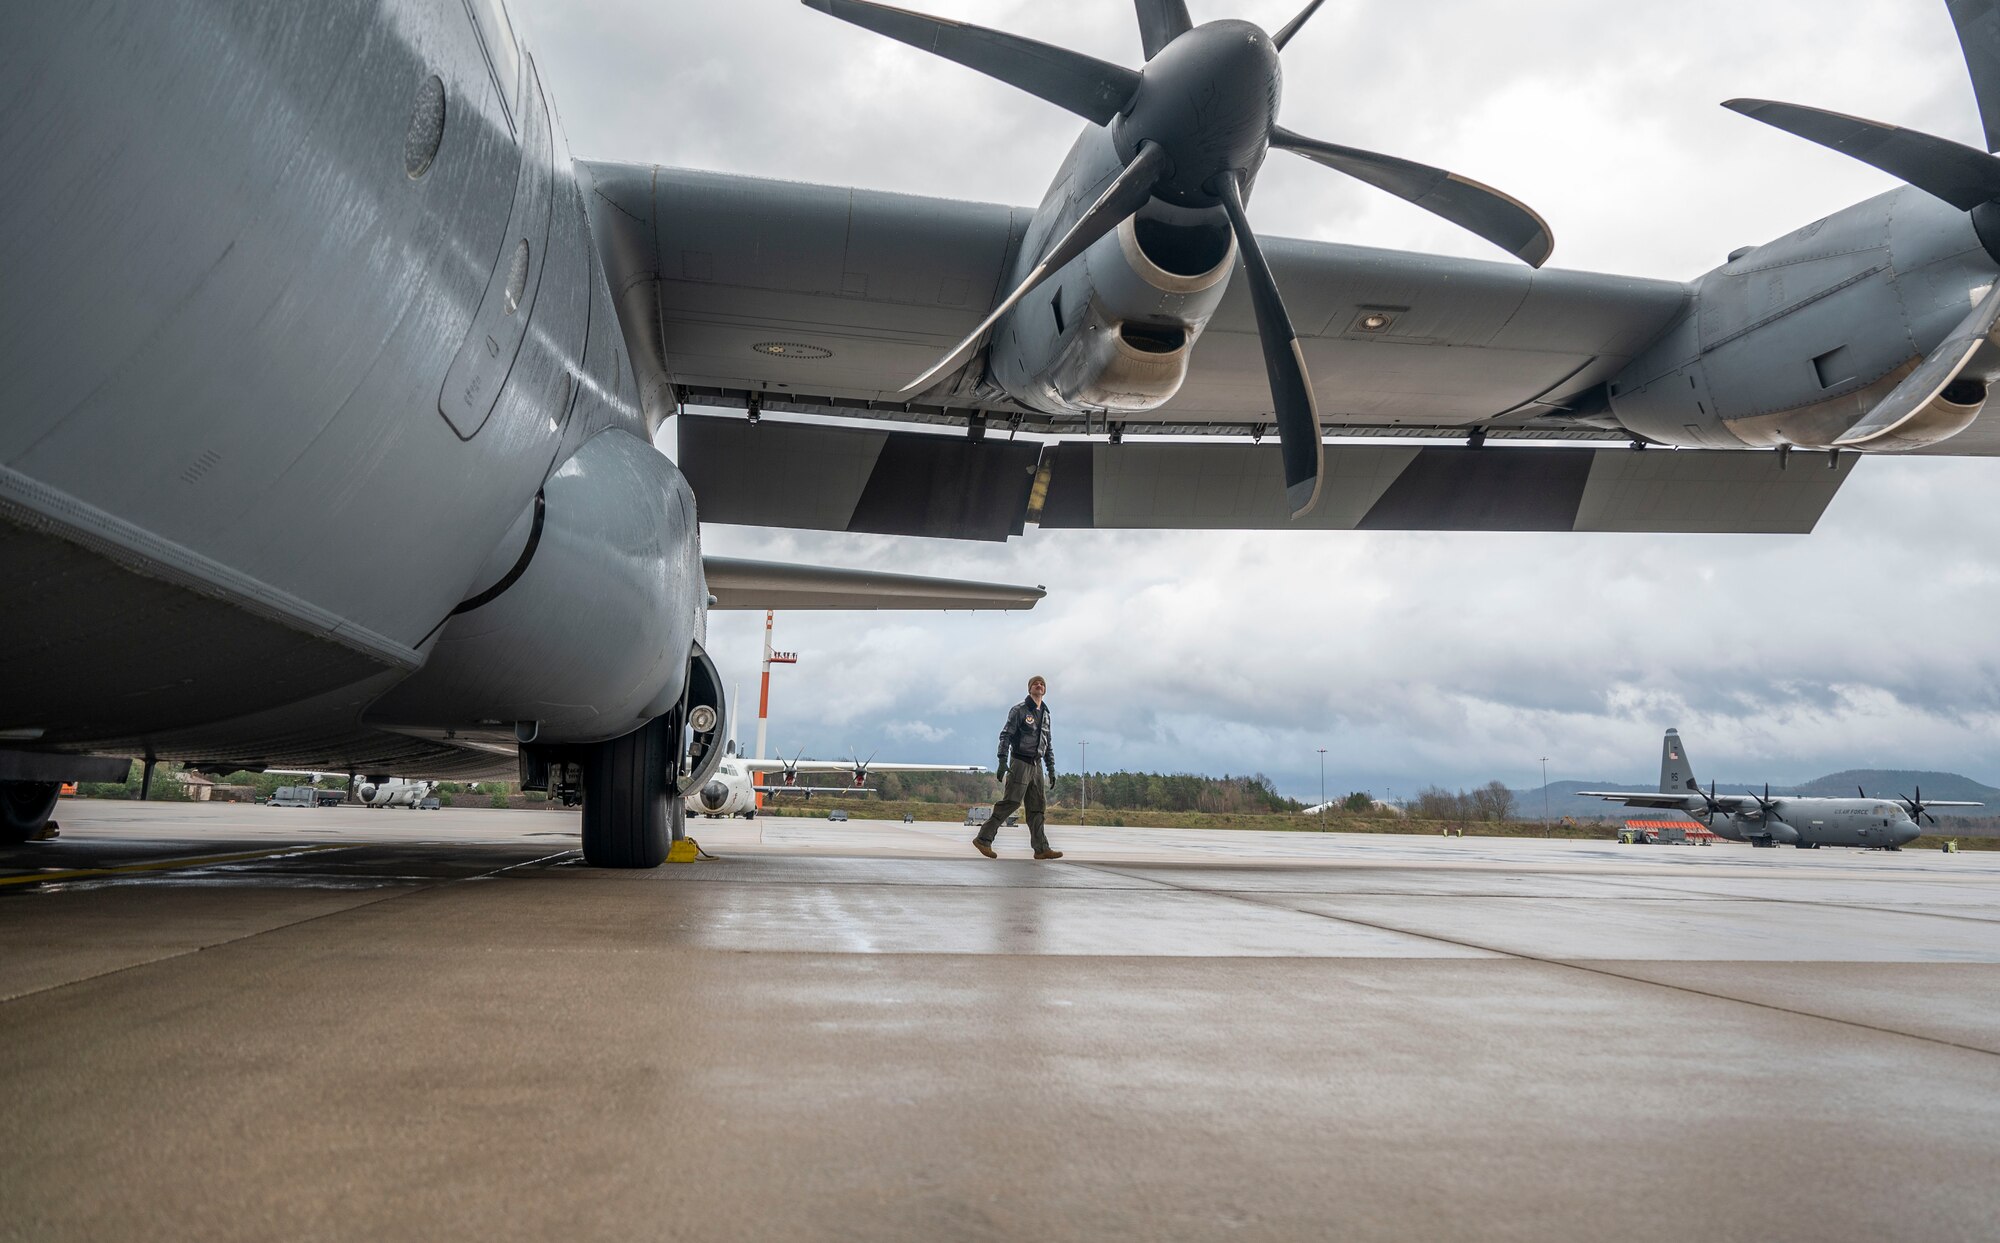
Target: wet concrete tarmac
249,1023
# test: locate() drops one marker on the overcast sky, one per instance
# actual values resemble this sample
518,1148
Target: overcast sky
1410,657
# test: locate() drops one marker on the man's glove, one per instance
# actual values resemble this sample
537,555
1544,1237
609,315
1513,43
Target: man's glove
1000,771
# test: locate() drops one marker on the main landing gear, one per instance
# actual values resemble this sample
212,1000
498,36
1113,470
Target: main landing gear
632,809
633,789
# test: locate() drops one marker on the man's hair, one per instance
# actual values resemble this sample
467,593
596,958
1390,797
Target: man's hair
1038,678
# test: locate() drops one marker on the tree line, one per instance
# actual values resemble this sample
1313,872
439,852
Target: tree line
1117,791
1492,801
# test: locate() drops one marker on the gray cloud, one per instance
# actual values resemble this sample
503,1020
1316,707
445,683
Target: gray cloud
1410,657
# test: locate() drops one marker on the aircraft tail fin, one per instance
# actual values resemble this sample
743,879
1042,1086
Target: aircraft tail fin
1676,773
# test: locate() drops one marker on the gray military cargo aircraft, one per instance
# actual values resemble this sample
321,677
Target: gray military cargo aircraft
1761,820
292,287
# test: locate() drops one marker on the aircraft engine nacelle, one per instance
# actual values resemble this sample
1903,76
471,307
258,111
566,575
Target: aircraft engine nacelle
711,798
1796,341
1115,331
1777,830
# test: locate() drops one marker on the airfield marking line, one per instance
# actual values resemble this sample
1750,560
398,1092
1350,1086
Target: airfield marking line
1711,896
169,865
388,893
1589,969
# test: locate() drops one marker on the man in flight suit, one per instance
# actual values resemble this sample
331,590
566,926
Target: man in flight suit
1026,748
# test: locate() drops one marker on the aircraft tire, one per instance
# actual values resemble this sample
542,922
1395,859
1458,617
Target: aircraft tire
25,807
751,814
630,811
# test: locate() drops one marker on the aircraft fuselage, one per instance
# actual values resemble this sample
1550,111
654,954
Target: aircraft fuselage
1822,822
314,287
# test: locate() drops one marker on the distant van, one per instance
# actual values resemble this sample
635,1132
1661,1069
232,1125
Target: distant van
294,796
978,814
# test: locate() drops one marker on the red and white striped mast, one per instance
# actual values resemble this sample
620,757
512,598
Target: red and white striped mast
764,693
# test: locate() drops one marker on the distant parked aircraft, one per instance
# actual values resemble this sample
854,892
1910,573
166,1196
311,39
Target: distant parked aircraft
1761,820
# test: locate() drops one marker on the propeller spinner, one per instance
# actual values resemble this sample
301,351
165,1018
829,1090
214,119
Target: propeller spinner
1193,127
1915,806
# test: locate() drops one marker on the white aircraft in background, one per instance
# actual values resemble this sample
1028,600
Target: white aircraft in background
369,791
733,791
389,792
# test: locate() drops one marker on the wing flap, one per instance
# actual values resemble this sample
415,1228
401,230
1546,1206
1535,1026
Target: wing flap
1398,488
819,478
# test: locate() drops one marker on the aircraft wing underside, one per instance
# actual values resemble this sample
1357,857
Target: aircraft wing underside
818,299
1726,802
898,482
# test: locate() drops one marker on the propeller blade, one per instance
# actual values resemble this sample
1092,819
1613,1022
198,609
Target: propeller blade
1978,25
1299,441
1863,793
1958,174
1292,27
1126,194
1161,22
1499,218
1093,89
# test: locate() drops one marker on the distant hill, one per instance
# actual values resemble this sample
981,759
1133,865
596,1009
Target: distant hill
1879,782
1897,781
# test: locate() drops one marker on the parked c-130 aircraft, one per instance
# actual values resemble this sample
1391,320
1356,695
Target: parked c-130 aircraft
292,287
1761,820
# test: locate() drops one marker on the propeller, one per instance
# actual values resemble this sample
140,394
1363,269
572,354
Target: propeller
791,770
1965,177
1915,806
1163,21
1709,805
1766,806
861,765
1193,127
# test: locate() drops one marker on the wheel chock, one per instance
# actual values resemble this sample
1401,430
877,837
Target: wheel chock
686,850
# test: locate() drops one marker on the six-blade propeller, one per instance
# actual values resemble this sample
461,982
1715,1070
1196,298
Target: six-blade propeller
1193,127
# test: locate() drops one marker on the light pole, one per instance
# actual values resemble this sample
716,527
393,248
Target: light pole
1083,776
1322,785
1545,796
